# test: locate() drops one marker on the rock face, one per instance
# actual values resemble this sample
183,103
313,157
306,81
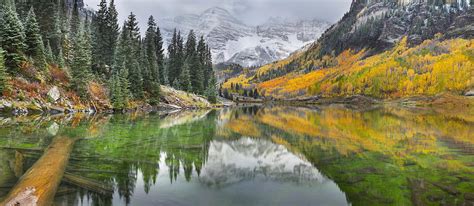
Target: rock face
54,94
378,24
232,41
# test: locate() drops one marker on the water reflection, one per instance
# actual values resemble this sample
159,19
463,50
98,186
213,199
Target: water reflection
259,156
249,159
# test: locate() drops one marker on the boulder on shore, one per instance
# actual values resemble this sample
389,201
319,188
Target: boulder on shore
470,93
54,94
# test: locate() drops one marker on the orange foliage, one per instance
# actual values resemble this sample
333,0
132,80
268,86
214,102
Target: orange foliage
431,68
25,89
58,75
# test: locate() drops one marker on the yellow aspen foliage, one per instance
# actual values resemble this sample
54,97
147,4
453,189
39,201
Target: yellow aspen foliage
430,68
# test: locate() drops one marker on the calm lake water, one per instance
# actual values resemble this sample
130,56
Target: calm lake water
257,156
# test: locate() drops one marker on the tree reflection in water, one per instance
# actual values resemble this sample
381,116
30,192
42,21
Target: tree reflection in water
355,157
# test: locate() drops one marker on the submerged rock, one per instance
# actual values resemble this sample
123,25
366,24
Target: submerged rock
447,188
469,196
53,129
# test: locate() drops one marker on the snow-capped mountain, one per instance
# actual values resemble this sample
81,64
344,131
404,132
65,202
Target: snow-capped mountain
232,41
247,159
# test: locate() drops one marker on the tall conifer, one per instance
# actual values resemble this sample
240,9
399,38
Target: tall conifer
34,41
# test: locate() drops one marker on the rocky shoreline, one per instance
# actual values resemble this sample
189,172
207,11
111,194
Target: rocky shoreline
361,100
57,103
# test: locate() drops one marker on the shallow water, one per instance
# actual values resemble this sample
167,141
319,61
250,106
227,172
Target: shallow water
257,156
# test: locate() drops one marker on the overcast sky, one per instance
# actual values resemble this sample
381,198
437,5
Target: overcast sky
251,12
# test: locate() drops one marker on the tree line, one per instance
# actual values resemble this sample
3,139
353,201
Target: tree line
92,46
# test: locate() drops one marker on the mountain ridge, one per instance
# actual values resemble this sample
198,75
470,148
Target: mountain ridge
232,41
386,35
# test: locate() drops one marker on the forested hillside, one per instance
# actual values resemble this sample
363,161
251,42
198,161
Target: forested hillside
380,49
59,54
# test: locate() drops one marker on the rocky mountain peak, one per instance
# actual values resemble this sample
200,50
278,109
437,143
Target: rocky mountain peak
232,41
379,24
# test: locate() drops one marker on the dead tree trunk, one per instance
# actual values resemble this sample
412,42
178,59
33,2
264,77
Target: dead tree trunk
39,184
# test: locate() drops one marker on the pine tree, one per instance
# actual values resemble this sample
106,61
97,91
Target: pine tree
119,87
75,21
132,31
160,58
49,53
150,49
146,68
173,71
136,79
3,73
192,60
66,44
88,37
116,92
207,67
80,67
211,90
185,79
12,38
202,58
34,41
152,80
60,58
101,29
120,90
54,37
113,32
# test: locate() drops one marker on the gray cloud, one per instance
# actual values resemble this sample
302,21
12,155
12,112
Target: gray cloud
251,12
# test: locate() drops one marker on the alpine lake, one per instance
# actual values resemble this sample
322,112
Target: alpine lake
253,155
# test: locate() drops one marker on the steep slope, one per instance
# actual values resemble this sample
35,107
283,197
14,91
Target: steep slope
371,27
232,41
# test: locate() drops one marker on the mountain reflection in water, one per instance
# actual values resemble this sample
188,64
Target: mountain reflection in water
257,156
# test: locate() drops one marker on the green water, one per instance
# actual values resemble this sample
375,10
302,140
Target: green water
257,156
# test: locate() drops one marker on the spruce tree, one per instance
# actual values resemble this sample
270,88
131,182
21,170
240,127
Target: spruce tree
130,42
136,79
80,67
3,73
193,64
211,90
75,21
150,49
12,38
116,92
185,79
49,53
101,29
60,58
208,70
176,58
146,67
54,37
173,70
202,55
119,87
66,44
34,41
112,33
160,58
152,82
119,95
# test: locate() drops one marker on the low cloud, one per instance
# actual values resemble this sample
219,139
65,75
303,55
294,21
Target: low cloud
251,12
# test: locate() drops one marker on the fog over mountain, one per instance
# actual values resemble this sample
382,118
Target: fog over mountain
251,12
245,32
